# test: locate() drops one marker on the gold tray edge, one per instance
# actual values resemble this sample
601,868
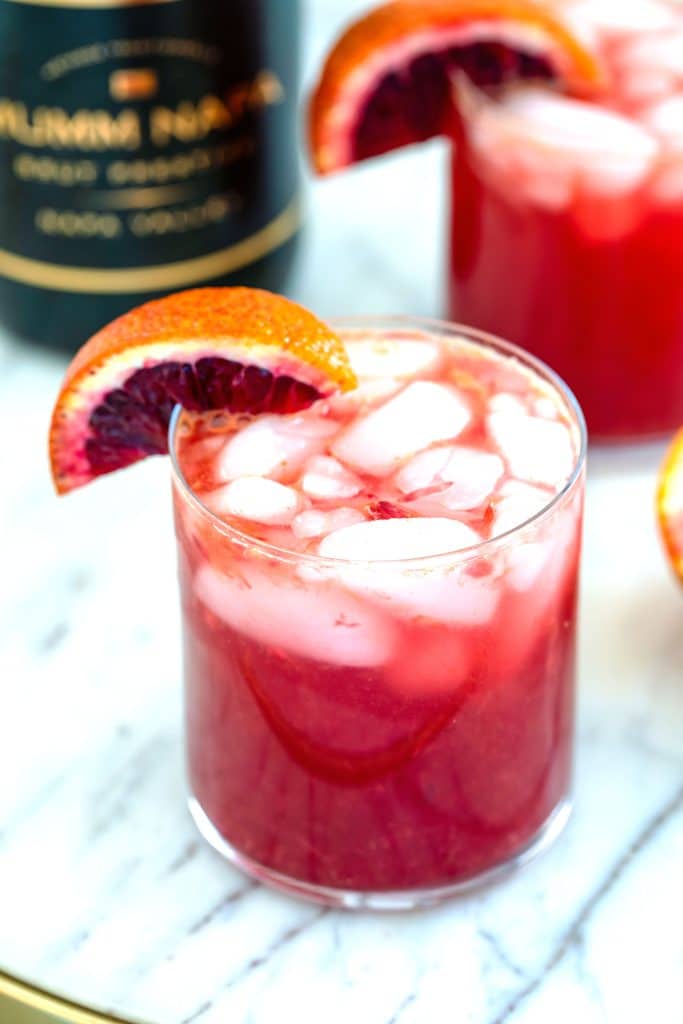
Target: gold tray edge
22,1002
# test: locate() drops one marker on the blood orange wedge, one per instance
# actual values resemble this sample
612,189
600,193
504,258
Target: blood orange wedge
388,80
211,348
670,504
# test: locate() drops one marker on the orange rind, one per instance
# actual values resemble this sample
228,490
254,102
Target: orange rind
670,504
387,82
238,349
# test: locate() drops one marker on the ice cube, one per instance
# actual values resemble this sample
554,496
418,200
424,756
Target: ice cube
538,555
423,470
448,592
367,395
536,450
665,119
545,407
542,187
312,620
527,555
667,184
505,402
255,498
642,85
435,662
517,503
419,416
274,446
648,67
325,477
315,522
471,473
208,446
547,575
527,562
387,357
621,17
510,156
395,539
662,53
602,149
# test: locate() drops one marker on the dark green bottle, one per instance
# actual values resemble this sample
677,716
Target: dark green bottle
145,146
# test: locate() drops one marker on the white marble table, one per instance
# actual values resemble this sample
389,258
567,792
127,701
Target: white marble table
107,893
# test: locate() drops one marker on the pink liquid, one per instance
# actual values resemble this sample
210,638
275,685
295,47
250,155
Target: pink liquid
406,749
591,281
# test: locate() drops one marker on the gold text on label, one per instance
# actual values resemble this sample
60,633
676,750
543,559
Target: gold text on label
158,170
101,130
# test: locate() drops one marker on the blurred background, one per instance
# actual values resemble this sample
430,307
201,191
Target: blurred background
369,224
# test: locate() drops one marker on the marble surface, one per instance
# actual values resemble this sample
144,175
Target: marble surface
107,893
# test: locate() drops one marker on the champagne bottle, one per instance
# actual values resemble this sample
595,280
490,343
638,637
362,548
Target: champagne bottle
145,146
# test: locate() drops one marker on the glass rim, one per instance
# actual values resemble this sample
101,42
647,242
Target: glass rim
479,549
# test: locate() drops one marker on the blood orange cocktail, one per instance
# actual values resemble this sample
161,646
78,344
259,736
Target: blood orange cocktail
379,601
567,220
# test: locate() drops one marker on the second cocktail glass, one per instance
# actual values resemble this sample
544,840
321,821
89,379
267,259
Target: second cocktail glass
566,119
567,222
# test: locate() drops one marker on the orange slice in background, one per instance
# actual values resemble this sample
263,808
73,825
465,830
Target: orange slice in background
670,504
238,349
388,80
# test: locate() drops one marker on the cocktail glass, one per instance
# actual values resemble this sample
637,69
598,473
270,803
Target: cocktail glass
567,223
376,733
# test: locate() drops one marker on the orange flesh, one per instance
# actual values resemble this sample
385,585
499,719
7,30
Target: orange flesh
240,324
397,21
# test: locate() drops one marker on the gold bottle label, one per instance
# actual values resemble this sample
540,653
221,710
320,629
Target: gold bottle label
154,148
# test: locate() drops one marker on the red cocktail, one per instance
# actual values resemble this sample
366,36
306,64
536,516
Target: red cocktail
566,119
379,601
567,222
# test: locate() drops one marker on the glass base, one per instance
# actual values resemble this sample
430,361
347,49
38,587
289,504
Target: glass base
402,899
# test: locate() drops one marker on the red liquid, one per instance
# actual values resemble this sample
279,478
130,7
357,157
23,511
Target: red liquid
607,315
374,779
